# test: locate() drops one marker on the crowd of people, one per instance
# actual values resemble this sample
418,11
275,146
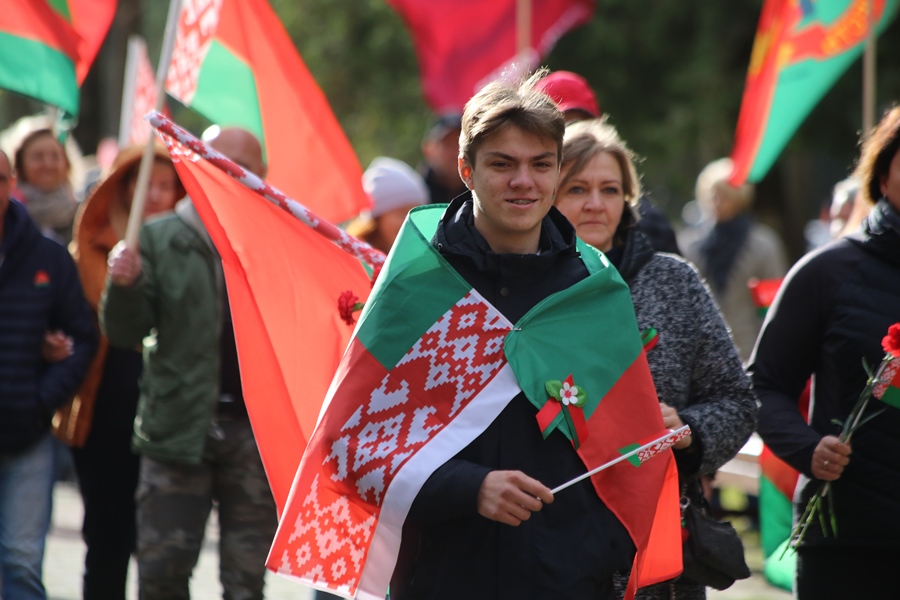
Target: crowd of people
127,354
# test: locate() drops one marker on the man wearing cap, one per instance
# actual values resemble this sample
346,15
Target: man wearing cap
575,98
440,150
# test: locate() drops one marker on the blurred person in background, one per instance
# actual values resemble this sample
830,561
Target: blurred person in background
39,291
42,170
576,99
98,423
832,311
733,250
695,367
440,151
395,188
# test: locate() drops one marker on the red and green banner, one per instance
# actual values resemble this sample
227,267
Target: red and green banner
39,54
463,44
430,365
801,49
283,282
234,63
91,19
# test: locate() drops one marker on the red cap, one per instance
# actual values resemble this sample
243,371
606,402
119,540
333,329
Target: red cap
570,92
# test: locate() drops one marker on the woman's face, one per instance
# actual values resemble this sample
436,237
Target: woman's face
593,200
44,164
161,191
890,182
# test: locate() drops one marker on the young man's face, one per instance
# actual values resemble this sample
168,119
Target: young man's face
513,182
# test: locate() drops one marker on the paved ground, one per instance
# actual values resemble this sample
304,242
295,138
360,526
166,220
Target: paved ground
64,558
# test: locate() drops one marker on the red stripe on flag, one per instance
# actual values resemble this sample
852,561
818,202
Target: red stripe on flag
38,22
91,20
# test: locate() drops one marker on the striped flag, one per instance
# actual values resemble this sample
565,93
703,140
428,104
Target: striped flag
801,49
234,63
91,20
430,365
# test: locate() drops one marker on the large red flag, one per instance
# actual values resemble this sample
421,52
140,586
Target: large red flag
462,44
91,19
284,281
234,63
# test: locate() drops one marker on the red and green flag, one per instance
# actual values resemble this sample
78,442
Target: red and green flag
234,63
464,44
91,20
801,49
430,366
283,281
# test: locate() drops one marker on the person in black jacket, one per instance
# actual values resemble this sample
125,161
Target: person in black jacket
833,310
39,292
483,526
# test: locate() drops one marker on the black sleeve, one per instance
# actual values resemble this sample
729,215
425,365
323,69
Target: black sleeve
787,353
450,492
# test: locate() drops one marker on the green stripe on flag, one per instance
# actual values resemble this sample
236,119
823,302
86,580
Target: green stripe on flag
635,459
891,396
62,8
775,516
222,71
36,70
422,288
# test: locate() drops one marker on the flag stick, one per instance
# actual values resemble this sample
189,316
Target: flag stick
136,215
523,26
664,442
869,71
340,238
127,106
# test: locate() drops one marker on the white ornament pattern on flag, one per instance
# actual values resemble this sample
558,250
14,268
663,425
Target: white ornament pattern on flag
446,368
197,26
885,377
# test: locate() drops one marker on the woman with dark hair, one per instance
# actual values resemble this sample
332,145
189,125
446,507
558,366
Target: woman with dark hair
42,171
832,311
695,367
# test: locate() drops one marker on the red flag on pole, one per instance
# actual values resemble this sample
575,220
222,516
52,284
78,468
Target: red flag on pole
284,281
91,20
463,44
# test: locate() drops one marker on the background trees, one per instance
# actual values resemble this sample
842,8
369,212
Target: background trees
670,74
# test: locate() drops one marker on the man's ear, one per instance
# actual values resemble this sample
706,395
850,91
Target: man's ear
465,172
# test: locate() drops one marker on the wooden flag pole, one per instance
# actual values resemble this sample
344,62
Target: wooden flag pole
136,215
868,96
523,26
127,106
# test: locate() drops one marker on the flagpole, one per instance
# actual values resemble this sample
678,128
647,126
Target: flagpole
523,26
868,119
340,238
664,441
127,106
136,215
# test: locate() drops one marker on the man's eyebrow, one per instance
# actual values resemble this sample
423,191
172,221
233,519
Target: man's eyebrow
498,154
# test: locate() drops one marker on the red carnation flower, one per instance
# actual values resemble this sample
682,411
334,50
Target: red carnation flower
348,303
891,342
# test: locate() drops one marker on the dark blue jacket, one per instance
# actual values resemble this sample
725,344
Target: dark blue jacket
39,291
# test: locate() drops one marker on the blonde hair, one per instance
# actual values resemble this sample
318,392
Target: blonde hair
586,139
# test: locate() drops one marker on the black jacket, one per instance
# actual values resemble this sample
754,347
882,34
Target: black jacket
835,307
39,291
567,550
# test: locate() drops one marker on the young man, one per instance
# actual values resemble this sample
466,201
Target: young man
485,524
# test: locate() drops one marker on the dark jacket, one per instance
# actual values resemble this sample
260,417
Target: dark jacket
834,308
39,291
567,550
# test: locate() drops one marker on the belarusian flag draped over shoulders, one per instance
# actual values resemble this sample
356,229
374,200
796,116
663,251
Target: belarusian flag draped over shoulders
430,366
234,64
284,281
91,19
463,44
39,54
801,49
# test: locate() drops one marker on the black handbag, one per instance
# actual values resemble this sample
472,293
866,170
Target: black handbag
713,552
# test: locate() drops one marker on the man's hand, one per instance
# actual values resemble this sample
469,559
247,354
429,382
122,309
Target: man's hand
511,496
124,265
671,420
829,458
57,346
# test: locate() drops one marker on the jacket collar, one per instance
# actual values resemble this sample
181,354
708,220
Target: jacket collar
456,235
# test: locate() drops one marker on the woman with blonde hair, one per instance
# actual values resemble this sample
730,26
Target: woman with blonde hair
695,367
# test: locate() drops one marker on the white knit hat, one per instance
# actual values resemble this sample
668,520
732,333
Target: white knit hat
391,184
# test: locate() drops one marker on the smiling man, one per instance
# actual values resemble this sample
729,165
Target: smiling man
485,524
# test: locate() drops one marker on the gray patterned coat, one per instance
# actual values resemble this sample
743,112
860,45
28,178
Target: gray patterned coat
695,367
